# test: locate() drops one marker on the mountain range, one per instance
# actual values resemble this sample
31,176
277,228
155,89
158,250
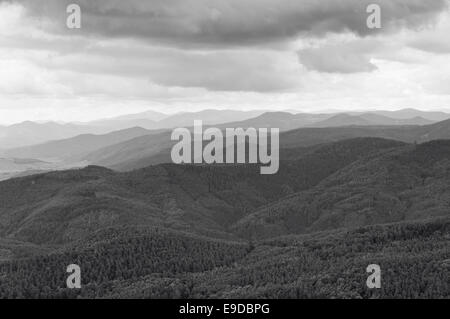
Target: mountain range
233,221
120,149
148,193
31,133
345,196
149,150
368,119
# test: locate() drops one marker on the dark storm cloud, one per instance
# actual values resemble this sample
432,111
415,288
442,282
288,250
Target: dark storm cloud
232,22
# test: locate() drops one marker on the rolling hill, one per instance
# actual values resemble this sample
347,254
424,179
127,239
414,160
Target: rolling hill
405,183
408,133
76,146
143,262
188,197
409,113
225,231
209,117
29,133
377,119
343,120
150,150
368,119
10,167
285,121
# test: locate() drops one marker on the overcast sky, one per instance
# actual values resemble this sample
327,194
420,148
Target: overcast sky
186,55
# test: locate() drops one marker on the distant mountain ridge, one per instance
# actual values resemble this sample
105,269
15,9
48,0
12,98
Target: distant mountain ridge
32,133
368,119
76,146
138,147
408,113
146,150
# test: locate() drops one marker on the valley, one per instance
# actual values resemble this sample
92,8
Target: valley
266,226
343,198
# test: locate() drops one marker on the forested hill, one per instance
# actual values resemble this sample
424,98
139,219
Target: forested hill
405,183
153,263
227,231
150,150
59,207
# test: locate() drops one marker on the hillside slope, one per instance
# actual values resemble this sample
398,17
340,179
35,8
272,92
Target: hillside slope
76,146
60,207
225,231
151,150
410,182
156,263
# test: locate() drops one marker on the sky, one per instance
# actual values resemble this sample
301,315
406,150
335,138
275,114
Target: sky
188,55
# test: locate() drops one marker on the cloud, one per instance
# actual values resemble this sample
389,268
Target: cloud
241,69
125,61
434,40
221,23
344,57
343,61
194,54
432,45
